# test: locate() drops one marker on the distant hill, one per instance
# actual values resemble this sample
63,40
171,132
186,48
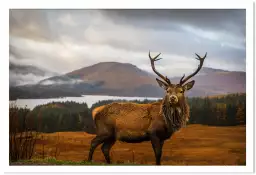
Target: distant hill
109,75
125,79
216,82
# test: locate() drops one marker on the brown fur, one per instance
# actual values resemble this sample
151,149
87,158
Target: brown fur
128,119
96,110
131,116
135,123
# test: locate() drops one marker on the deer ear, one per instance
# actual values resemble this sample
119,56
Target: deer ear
188,85
162,84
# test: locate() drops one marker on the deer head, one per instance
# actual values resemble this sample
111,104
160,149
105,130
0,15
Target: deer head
175,92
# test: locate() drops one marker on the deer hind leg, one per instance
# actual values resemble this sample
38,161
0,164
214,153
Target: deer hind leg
94,143
107,145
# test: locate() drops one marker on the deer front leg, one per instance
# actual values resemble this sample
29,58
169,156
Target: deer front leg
157,146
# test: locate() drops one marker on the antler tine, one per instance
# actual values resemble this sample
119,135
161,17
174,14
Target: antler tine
182,79
152,61
201,59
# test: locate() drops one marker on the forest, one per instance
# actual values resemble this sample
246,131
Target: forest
228,110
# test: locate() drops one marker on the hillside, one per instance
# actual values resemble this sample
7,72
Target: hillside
125,79
213,82
107,75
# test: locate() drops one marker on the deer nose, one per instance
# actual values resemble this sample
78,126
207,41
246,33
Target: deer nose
173,98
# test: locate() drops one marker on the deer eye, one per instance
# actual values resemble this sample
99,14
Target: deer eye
181,91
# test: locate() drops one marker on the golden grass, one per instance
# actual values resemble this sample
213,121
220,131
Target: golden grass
194,145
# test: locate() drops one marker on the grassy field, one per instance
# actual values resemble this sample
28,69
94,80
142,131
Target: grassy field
54,161
194,145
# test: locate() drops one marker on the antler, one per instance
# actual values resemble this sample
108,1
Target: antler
152,60
201,59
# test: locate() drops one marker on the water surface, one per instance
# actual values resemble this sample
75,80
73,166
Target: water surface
88,99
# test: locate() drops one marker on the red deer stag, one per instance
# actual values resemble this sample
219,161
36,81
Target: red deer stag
135,123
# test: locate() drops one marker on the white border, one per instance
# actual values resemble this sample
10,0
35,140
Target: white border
160,4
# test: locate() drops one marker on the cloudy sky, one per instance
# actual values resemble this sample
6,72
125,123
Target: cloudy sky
64,40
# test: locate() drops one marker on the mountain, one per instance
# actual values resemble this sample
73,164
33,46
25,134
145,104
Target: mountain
215,82
125,79
114,75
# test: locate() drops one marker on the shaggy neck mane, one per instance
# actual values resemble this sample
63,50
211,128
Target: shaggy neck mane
174,116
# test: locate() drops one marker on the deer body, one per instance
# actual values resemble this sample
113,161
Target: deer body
127,122
135,123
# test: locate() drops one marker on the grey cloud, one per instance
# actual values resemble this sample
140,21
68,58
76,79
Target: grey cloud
26,74
31,24
68,81
64,40
13,51
177,41
23,79
216,19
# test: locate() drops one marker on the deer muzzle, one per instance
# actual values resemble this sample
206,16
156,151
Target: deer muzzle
173,99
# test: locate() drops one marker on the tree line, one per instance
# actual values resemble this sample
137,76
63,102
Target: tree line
226,110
